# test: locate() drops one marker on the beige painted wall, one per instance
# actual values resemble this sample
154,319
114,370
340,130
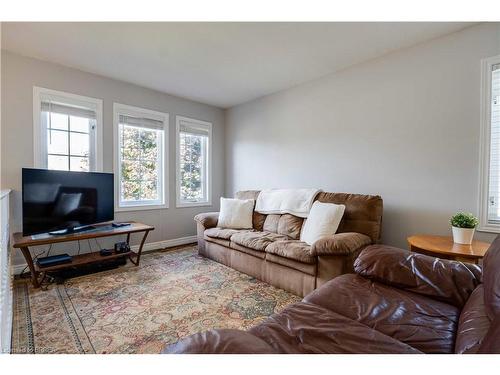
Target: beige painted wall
20,74
405,126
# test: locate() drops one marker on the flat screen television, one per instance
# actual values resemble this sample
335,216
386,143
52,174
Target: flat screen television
60,202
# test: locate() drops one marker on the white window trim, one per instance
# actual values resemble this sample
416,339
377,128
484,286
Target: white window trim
208,202
39,148
484,147
124,109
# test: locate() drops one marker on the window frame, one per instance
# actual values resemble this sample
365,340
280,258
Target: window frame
208,125
484,147
40,134
124,109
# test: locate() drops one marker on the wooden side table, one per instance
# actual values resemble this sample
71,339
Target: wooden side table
444,247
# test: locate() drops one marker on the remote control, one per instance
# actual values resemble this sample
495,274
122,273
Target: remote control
118,225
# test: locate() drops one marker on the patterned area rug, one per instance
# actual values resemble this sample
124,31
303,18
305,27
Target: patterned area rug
172,294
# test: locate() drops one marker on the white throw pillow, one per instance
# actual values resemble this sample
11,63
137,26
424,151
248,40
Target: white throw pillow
323,220
236,213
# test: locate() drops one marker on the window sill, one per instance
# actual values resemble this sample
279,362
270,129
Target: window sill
490,228
193,204
141,208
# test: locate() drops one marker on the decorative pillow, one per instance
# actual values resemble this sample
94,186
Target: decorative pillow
323,220
236,213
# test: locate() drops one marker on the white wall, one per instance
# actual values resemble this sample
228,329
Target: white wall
405,126
20,74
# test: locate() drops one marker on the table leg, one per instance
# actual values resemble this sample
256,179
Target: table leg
31,266
139,252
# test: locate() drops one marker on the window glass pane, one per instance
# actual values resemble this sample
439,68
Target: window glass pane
57,162
130,190
192,167
149,190
80,124
130,137
140,154
148,144
149,170
79,144
79,164
58,121
494,181
57,142
131,170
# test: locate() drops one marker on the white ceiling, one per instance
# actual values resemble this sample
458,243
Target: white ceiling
221,64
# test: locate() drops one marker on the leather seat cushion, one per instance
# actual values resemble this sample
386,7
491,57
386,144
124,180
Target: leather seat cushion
423,323
292,249
256,240
308,328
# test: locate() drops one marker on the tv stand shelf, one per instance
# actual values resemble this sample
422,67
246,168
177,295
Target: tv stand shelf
101,230
82,259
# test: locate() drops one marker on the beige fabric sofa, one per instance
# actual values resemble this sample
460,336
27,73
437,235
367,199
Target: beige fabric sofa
272,251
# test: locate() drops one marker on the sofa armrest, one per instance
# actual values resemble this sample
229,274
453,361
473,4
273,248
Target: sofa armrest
340,244
445,280
207,219
221,341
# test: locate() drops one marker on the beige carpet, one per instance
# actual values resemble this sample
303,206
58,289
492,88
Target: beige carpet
172,294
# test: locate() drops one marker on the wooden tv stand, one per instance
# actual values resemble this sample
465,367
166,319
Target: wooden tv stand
100,230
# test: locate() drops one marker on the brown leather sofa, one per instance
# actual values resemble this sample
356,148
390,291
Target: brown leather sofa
397,302
272,252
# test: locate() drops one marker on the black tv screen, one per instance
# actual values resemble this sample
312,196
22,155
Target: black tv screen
58,200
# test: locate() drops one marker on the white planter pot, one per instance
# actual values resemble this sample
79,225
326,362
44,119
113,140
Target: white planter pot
463,235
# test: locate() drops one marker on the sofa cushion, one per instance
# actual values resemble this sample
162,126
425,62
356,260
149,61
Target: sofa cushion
256,240
292,249
473,324
340,244
256,253
286,224
271,223
307,268
423,323
308,328
290,226
223,233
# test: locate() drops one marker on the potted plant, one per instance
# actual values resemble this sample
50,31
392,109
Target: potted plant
463,226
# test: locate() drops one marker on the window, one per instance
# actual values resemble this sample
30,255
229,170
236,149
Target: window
67,131
194,144
490,146
140,158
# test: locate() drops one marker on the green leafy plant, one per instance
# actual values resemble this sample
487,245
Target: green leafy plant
464,220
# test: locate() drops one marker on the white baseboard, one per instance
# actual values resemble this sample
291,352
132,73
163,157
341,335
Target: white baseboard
18,268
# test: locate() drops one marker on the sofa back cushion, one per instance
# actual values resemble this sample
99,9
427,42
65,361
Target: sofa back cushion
491,279
288,225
